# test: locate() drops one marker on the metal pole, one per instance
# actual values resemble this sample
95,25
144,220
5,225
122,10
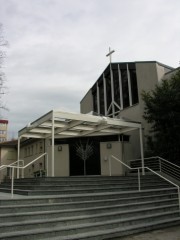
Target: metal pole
179,198
12,183
129,85
47,165
105,95
18,156
109,166
112,90
52,164
141,148
159,164
139,181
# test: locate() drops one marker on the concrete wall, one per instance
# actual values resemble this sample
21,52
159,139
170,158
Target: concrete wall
61,159
117,149
86,105
31,151
7,156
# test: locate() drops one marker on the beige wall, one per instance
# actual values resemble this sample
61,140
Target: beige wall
86,104
8,156
105,153
31,151
121,150
61,160
3,132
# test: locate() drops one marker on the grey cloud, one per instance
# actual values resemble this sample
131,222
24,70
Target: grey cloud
57,48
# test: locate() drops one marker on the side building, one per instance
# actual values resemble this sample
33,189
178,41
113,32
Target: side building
8,155
3,130
117,93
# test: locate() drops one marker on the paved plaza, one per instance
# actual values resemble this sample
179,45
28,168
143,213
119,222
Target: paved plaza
171,233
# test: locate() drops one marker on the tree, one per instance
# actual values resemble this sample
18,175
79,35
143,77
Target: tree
3,44
162,111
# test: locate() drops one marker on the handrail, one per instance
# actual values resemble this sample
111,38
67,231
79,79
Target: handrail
139,180
1,167
11,165
178,187
4,166
23,167
163,165
133,160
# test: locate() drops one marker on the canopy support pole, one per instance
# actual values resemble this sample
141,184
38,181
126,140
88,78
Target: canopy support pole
52,165
18,156
141,149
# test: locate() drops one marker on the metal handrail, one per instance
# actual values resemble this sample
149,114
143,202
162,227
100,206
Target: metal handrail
23,167
178,187
164,166
12,164
139,182
118,160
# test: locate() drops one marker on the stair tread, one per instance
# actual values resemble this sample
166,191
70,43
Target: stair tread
93,210
96,201
38,213
85,225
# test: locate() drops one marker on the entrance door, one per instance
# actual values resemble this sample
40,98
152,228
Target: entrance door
84,157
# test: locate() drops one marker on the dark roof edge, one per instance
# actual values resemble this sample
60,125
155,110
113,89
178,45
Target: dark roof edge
173,70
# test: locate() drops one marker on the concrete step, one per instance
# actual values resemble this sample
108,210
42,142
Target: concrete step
86,179
76,185
90,196
54,230
122,209
87,207
116,233
130,203
131,185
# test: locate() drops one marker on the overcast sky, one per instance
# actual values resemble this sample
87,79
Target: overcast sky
58,48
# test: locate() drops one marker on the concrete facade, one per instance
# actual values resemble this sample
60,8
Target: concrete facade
148,74
8,155
3,130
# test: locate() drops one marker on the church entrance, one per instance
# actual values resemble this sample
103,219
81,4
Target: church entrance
84,157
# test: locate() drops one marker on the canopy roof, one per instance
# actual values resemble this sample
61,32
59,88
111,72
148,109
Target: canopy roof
65,124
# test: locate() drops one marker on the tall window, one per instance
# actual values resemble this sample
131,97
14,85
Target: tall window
128,82
94,93
116,89
134,89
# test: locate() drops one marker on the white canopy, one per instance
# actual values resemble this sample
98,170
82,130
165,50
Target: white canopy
57,124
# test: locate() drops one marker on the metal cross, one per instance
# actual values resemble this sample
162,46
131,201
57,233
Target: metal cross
109,54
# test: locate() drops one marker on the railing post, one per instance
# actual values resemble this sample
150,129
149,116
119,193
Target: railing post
139,181
109,165
12,183
179,198
160,164
47,166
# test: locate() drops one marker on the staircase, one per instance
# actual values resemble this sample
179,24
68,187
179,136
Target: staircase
87,207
